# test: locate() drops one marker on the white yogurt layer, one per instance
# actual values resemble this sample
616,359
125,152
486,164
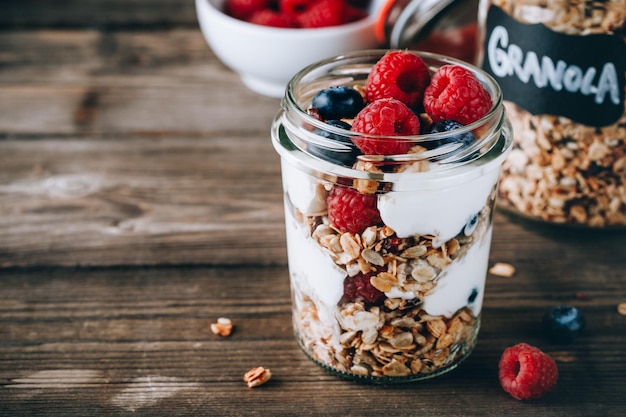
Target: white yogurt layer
306,194
459,279
457,282
439,212
312,271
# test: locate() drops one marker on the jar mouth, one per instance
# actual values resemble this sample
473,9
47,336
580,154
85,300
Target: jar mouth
323,147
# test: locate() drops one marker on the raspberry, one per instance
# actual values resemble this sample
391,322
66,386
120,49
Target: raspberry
243,9
393,244
293,8
323,13
351,211
352,14
400,75
526,372
359,288
385,117
268,17
454,93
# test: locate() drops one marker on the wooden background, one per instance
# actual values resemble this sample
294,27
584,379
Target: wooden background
140,199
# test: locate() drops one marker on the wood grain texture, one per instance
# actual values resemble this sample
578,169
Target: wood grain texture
140,200
97,13
122,83
137,340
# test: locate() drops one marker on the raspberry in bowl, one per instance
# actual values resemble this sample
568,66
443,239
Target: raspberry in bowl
266,53
389,204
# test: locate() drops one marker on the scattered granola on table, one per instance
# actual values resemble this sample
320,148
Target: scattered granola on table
223,327
502,269
257,376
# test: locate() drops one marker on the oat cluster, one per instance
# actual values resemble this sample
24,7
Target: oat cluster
559,170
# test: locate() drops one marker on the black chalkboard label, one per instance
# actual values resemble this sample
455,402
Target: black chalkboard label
545,72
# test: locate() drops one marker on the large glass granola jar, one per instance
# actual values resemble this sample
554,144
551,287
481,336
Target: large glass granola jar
562,68
400,298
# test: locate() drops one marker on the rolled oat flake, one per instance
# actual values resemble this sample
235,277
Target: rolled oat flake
561,65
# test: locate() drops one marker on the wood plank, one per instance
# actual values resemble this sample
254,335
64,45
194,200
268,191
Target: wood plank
97,13
213,200
116,341
140,199
122,83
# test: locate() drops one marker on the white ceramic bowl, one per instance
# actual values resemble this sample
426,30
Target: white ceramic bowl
266,57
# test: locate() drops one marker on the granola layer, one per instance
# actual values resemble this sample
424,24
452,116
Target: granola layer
398,337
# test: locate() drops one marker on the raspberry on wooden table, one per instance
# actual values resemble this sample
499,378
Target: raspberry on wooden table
454,93
526,372
400,75
385,117
351,211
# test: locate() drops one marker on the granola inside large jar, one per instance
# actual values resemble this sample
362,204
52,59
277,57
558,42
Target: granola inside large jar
400,299
562,68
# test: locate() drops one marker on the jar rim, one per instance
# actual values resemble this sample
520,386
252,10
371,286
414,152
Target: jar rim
484,78
294,115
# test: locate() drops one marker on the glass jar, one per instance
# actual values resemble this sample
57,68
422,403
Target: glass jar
562,68
447,27
400,299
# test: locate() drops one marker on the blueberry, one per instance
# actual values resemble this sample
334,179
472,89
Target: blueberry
448,125
472,296
470,226
563,324
346,158
338,103
466,139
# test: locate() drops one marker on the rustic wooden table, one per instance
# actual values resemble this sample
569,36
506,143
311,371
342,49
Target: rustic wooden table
140,199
